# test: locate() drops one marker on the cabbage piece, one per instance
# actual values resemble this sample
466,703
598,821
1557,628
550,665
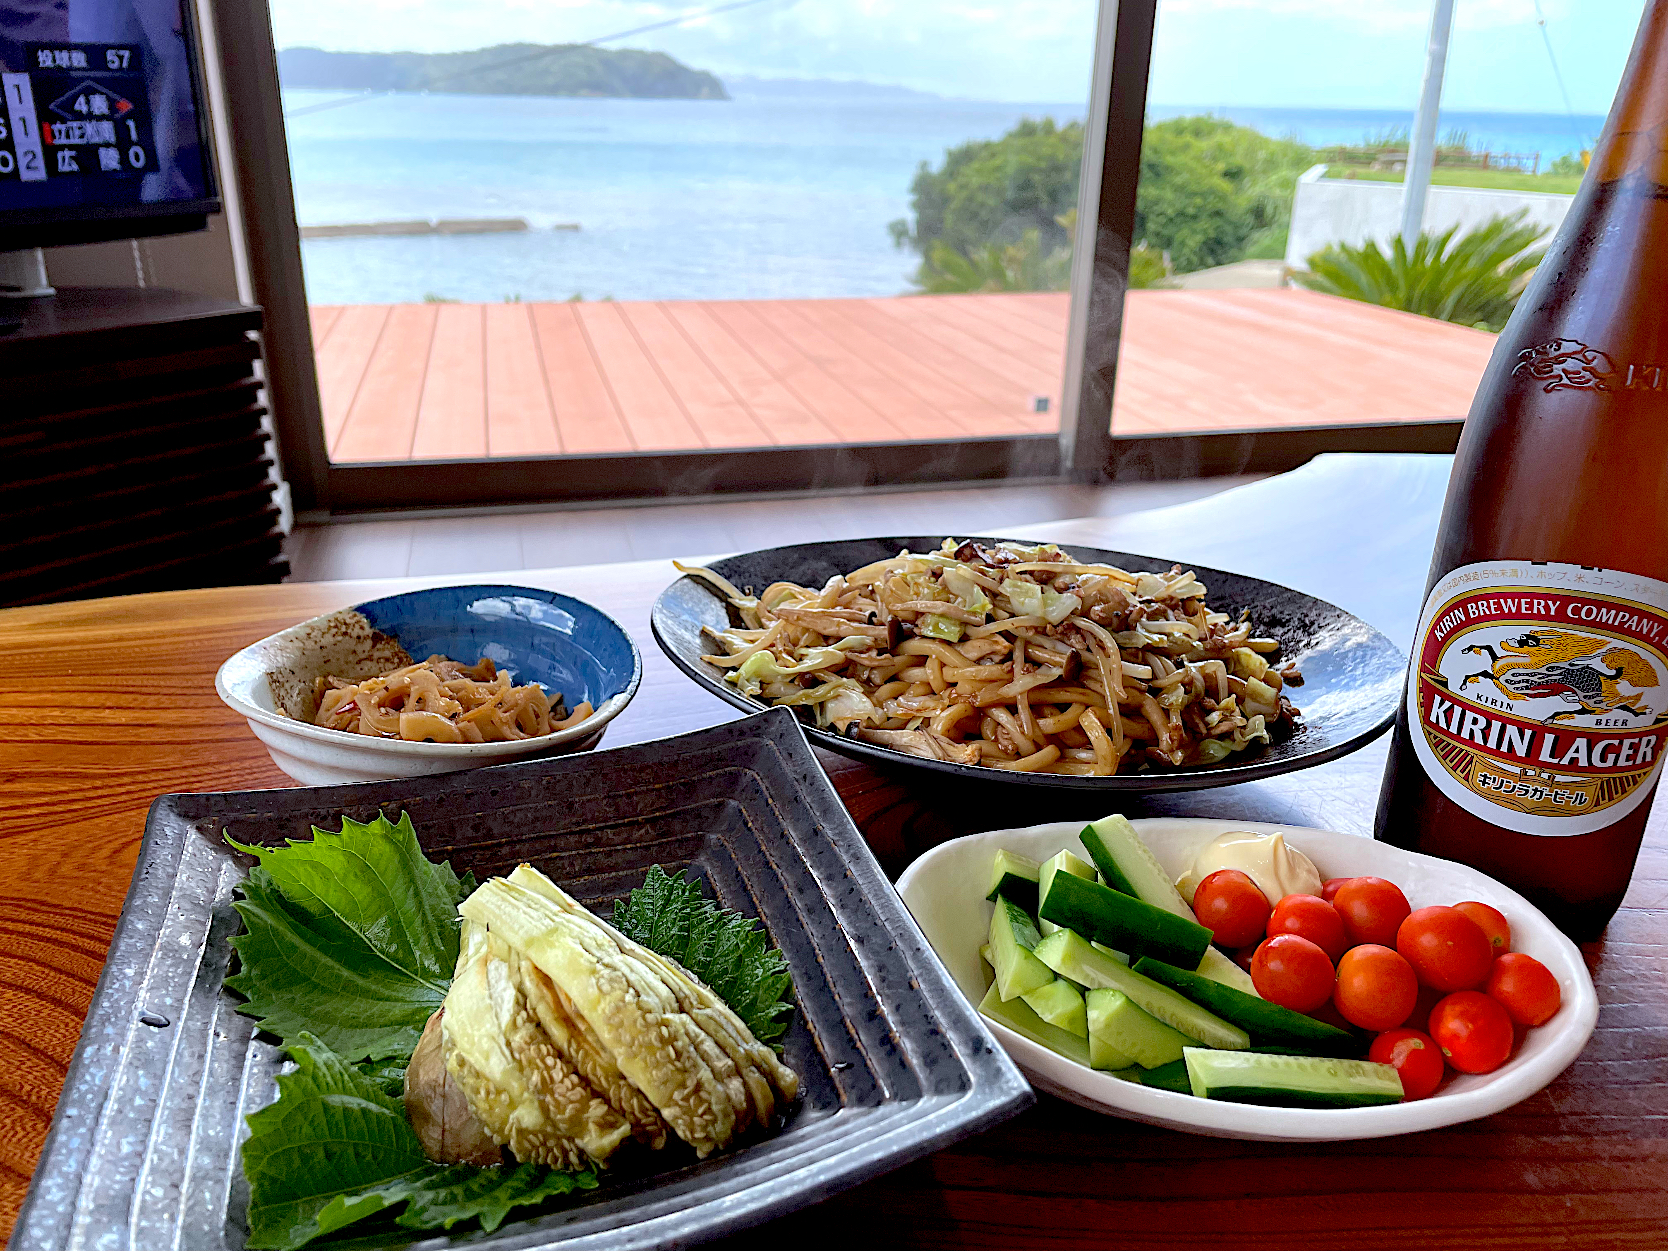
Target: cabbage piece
1025,596
1248,664
937,626
1057,607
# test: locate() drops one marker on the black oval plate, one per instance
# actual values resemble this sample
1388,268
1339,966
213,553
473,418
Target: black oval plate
1352,674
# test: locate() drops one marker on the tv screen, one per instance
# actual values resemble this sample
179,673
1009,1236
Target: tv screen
102,129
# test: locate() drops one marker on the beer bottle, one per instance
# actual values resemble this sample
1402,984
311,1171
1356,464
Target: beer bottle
1533,730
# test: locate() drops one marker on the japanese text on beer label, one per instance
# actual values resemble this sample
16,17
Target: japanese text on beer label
1538,699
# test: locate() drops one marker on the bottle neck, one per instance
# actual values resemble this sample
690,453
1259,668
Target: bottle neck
1635,139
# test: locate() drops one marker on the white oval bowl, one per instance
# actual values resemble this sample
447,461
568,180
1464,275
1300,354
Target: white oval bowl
945,890
316,756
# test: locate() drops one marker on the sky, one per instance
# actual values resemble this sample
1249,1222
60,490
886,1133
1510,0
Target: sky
1332,54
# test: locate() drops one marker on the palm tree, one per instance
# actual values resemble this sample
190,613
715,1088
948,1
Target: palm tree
1474,280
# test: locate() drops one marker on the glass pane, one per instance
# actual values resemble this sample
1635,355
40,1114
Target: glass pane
851,223
1278,129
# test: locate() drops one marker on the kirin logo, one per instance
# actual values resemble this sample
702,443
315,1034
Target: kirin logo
1566,365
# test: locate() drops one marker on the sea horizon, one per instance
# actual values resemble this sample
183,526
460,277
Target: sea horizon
763,196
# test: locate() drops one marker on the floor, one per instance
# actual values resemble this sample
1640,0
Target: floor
437,381
435,546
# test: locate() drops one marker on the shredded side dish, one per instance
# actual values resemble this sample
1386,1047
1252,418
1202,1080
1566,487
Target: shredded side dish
1011,657
443,701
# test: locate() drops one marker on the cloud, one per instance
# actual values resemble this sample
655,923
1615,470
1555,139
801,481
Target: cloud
1305,53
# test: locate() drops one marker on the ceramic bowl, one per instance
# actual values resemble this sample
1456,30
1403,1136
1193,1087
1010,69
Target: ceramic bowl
945,891
536,636
1352,674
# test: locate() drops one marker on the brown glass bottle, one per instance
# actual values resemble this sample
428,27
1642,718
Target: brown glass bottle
1563,464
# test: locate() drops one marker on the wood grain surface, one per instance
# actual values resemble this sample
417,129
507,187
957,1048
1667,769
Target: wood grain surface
106,704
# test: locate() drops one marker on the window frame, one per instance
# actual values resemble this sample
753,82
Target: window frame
1085,448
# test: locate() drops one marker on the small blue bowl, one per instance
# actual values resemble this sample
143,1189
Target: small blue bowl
540,636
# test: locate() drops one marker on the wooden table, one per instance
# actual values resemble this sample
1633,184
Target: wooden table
106,704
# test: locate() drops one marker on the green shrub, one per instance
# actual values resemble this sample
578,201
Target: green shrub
995,191
1474,279
1148,267
1212,193
997,211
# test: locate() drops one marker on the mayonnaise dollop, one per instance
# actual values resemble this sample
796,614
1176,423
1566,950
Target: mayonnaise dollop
1278,870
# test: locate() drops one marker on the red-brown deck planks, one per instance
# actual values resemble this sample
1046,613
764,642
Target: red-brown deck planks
519,417
343,360
383,419
585,414
323,317
651,411
785,417
451,421
721,416
531,379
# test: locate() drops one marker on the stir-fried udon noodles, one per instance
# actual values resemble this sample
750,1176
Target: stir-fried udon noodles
443,701
1011,657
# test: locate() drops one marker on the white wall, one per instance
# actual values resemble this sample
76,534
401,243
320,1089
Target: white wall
1347,210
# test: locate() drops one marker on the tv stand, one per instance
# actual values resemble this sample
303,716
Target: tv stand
134,455
23,275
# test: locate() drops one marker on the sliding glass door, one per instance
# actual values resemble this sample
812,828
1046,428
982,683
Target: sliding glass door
766,245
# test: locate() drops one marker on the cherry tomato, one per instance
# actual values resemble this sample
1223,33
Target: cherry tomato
1447,949
1293,972
1474,1032
1525,988
1311,917
1376,988
1372,910
1243,957
1229,905
1492,923
1415,1057
1330,887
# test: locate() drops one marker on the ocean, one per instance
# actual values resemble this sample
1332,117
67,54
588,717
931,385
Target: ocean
759,197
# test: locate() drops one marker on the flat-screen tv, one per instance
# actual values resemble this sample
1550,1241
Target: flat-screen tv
103,131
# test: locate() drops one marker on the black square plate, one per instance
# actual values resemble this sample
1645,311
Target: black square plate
894,1063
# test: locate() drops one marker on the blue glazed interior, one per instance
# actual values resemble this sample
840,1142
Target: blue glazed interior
538,636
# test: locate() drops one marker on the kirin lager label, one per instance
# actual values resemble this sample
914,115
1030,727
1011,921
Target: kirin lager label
1538,699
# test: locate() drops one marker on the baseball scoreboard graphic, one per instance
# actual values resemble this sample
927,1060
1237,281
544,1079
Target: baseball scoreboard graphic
77,112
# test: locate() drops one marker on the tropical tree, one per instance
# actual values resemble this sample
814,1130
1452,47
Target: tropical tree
1474,279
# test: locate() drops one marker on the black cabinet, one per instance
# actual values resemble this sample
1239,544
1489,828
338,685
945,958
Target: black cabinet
132,451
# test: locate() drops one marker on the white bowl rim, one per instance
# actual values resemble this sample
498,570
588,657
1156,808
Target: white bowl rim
1117,1097
600,716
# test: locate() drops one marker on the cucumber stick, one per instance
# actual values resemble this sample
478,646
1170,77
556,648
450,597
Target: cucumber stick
1128,864
1017,1016
1012,936
1123,922
1071,957
1060,1003
1171,1076
1104,1056
1015,876
1290,1081
1064,862
1268,1023
1121,1024
1218,968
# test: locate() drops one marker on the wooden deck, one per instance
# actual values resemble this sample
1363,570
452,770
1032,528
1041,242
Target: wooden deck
437,381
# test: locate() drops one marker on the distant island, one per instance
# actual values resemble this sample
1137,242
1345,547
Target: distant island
562,70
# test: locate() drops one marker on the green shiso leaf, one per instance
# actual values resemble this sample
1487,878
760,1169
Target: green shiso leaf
334,1149
726,950
351,937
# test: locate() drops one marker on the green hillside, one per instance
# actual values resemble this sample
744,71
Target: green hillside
513,69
